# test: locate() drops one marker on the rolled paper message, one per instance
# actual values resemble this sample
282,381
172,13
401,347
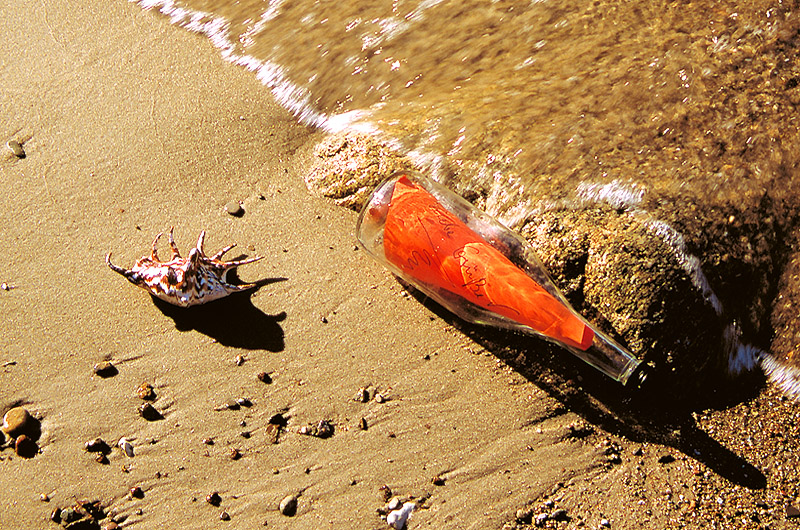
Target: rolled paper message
477,268
432,245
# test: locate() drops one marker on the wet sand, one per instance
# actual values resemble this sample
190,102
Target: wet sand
131,126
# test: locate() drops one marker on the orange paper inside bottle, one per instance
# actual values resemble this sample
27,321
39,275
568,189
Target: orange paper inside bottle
429,243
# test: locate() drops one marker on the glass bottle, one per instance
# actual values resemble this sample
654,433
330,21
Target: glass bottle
478,269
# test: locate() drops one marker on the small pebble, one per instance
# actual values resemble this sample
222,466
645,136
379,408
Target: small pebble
146,392
235,454
100,458
379,398
363,424
208,441
126,447
239,360
397,519
224,516
792,511
560,515
288,505
666,459
25,447
605,523
136,492
105,369
214,499
55,515
111,525
362,395
16,148
69,515
18,421
234,208
244,402
394,504
4,286
438,481
149,412
541,518
264,377
44,497
98,445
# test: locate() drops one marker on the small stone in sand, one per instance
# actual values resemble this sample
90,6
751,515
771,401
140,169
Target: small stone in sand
145,391
55,515
224,516
792,511
363,424
16,148
362,395
98,445
18,421
264,377
239,360
234,208
149,412
105,369
288,505
137,493
44,497
126,447
214,499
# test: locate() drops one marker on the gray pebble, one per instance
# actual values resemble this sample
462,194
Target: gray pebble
234,208
288,505
18,421
16,148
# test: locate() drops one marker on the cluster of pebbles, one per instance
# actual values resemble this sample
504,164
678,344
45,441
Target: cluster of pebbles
20,430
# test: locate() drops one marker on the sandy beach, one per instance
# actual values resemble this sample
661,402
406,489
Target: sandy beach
131,126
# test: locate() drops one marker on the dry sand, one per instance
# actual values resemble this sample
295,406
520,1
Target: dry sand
132,126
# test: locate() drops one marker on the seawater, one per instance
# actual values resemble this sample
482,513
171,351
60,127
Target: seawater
528,98
679,111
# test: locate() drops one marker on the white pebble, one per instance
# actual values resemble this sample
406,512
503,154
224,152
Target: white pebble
126,447
398,518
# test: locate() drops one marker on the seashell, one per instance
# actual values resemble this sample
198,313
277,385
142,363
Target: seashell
184,282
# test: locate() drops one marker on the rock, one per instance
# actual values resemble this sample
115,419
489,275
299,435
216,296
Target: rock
264,377
234,208
224,516
541,518
214,499
347,167
362,424
146,392
559,515
398,519
16,148
18,421
98,445
105,369
792,511
288,505
126,447
149,412
136,492
666,459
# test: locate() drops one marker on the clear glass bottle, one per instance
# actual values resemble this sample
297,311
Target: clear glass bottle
477,268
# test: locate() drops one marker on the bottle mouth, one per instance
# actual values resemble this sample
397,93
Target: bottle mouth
637,379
